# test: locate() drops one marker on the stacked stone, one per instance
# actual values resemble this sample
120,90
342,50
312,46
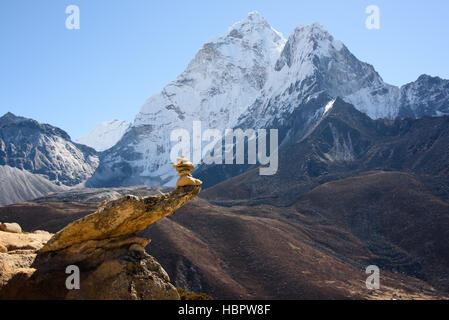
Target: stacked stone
183,166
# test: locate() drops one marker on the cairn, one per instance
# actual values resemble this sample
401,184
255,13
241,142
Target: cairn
183,166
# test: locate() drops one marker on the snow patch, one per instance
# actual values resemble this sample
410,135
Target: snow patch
105,135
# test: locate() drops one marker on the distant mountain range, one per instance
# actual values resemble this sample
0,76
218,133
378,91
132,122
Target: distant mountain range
251,77
345,143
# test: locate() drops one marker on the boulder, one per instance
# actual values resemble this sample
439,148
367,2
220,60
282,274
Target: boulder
24,241
11,227
18,251
125,274
14,263
134,276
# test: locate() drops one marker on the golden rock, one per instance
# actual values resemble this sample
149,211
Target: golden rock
183,166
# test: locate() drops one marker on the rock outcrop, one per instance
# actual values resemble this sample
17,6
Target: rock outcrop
18,251
10,227
106,250
123,217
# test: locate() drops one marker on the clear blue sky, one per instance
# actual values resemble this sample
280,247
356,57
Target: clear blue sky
126,51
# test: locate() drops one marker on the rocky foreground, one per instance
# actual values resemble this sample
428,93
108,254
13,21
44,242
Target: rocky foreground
104,246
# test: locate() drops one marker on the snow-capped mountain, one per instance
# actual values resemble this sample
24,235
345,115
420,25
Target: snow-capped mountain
313,62
46,150
315,67
105,135
251,77
218,85
426,96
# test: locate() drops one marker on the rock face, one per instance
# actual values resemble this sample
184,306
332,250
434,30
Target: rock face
112,260
17,252
45,150
425,96
148,281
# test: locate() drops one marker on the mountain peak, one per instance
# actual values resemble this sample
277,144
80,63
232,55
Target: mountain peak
428,78
306,42
318,34
255,17
315,27
254,23
9,115
340,109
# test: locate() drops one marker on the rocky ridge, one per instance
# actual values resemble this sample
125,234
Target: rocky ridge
45,150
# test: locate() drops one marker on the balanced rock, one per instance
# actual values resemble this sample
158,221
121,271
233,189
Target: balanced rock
184,168
105,247
127,216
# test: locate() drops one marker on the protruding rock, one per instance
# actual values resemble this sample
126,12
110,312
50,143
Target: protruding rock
137,248
123,217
